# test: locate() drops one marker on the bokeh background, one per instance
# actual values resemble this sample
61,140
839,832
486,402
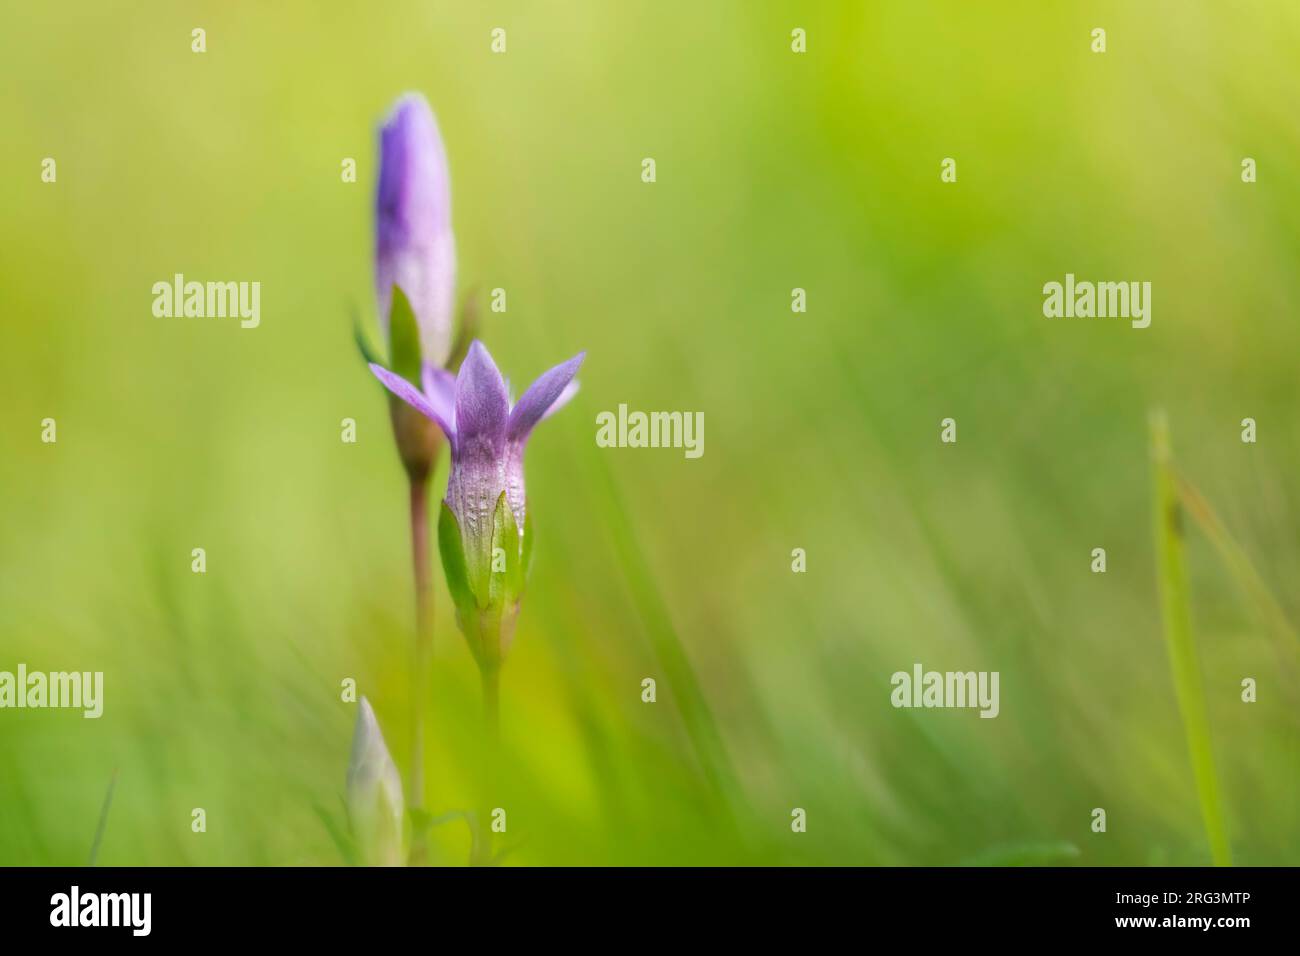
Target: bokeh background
775,171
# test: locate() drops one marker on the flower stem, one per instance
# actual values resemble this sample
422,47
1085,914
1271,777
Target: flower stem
491,676
492,709
423,652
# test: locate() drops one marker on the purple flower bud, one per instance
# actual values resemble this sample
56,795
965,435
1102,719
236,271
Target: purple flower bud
374,793
414,246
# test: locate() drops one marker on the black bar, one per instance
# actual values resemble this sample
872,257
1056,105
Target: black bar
332,906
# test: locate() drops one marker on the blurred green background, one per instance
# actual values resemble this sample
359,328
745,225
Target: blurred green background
775,171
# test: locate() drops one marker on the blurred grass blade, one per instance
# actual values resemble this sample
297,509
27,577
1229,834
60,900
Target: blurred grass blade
1175,601
103,819
689,696
341,838
1234,556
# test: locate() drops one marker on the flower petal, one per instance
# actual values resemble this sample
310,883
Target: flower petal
569,391
547,392
478,458
440,392
412,396
482,402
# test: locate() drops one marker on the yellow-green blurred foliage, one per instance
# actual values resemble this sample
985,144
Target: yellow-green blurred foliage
774,171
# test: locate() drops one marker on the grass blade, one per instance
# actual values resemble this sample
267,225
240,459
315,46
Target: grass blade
103,819
1238,563
1175,600
692,704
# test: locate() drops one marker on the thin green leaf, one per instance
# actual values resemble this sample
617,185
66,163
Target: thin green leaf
1176,613
1238,563
341,839
362,340
697,716
103,819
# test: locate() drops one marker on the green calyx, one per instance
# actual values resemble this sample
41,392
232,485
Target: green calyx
418,439
486,584
404,338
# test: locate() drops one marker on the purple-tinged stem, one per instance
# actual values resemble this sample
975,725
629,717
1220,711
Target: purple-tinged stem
423,653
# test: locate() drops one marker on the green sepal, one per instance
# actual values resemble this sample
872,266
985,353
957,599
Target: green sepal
469,573
489,636
452,549
362,340
487,601
485,613
505,584
404,338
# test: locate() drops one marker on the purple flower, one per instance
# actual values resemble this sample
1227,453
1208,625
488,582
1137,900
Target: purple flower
414,247
487,435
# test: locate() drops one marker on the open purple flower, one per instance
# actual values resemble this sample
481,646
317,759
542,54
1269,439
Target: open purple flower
414,246
486,432
486,559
